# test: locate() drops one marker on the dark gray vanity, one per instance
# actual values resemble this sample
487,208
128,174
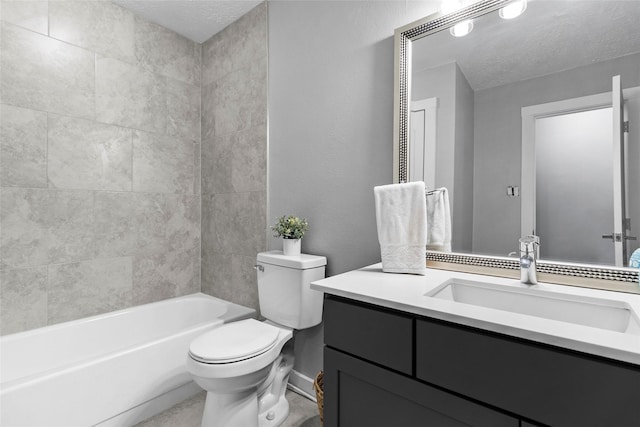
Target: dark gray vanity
385,367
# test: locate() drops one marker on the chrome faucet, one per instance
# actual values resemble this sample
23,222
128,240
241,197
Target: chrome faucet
528,257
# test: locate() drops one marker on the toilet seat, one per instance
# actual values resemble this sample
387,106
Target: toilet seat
234,342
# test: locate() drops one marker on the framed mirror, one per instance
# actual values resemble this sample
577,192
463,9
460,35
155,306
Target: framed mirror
518,119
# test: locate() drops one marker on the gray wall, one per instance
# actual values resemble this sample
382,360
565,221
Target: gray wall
330,127
496,217
234,157
462,204
454,149
100,133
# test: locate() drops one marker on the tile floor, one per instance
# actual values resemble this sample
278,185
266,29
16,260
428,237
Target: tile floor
303,413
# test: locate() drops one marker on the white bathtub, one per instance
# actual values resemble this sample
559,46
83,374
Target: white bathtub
114,369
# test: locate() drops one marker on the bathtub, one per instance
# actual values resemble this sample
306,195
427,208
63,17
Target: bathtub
114,369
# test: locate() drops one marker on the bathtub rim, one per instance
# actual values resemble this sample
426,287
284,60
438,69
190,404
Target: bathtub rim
241,312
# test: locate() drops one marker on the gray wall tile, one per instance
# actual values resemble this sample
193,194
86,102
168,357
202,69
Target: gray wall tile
88,288
235,162
232,278
32,15
114,228
45,226
165,275
23,299
23,147
197,167
70,225
234,157
164,52
130,96
72,102
183,228
207,119
216,163
238,223
162,164
237,46
235,102
45,74
168,247
229,102
100,26
151,213
217,56
87,155
249,160
183,110
166,221
24,240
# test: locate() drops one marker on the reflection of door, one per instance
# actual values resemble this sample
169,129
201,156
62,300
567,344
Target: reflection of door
422,142
568,146
619,236
576,134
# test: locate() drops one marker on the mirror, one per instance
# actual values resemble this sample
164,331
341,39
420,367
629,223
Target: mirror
516,120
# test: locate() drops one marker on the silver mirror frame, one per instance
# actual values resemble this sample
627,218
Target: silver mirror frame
586,275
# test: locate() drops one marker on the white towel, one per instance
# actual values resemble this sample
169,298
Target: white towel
438,220
401,216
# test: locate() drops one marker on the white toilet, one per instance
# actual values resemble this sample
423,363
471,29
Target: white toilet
244,366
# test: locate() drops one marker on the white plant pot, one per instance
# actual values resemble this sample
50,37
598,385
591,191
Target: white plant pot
291,246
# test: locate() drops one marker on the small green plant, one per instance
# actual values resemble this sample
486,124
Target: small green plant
290,227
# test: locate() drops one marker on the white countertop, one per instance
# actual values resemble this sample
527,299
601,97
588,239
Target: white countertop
406,292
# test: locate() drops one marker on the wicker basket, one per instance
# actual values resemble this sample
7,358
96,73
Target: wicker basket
318,386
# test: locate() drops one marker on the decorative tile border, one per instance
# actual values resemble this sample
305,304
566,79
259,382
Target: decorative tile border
618,274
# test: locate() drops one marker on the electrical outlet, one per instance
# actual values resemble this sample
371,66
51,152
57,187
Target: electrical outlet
513,191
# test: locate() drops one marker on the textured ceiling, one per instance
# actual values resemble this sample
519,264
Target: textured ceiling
550,36
197,20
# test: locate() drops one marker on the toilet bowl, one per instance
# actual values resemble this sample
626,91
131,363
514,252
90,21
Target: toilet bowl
233,363
244,366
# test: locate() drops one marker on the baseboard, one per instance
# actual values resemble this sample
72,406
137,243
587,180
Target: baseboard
302,385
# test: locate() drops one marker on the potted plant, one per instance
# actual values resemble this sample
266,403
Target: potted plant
291,229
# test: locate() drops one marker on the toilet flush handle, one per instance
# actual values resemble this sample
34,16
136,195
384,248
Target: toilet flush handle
258,267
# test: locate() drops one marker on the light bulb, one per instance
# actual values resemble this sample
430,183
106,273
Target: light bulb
448,6
462,29
513,10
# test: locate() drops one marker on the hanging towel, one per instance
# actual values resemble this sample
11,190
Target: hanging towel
438,220
401,216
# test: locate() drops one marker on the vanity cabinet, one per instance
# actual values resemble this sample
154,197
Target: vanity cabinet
389,368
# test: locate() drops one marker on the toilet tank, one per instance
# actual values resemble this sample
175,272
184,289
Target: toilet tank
284,288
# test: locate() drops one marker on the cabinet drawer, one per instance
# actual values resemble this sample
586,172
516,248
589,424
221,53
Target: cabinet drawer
379,336
551,386
360,394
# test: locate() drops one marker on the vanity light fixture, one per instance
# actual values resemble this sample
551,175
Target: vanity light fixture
513,10
449,6
462,29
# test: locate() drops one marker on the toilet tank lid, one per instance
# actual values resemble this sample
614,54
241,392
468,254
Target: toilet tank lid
301,262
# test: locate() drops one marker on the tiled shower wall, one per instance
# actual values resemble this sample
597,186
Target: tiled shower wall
100,162
234,157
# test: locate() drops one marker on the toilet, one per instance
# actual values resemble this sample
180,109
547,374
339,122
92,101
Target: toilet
244,366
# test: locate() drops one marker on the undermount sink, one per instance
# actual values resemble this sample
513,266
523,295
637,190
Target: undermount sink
587,311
